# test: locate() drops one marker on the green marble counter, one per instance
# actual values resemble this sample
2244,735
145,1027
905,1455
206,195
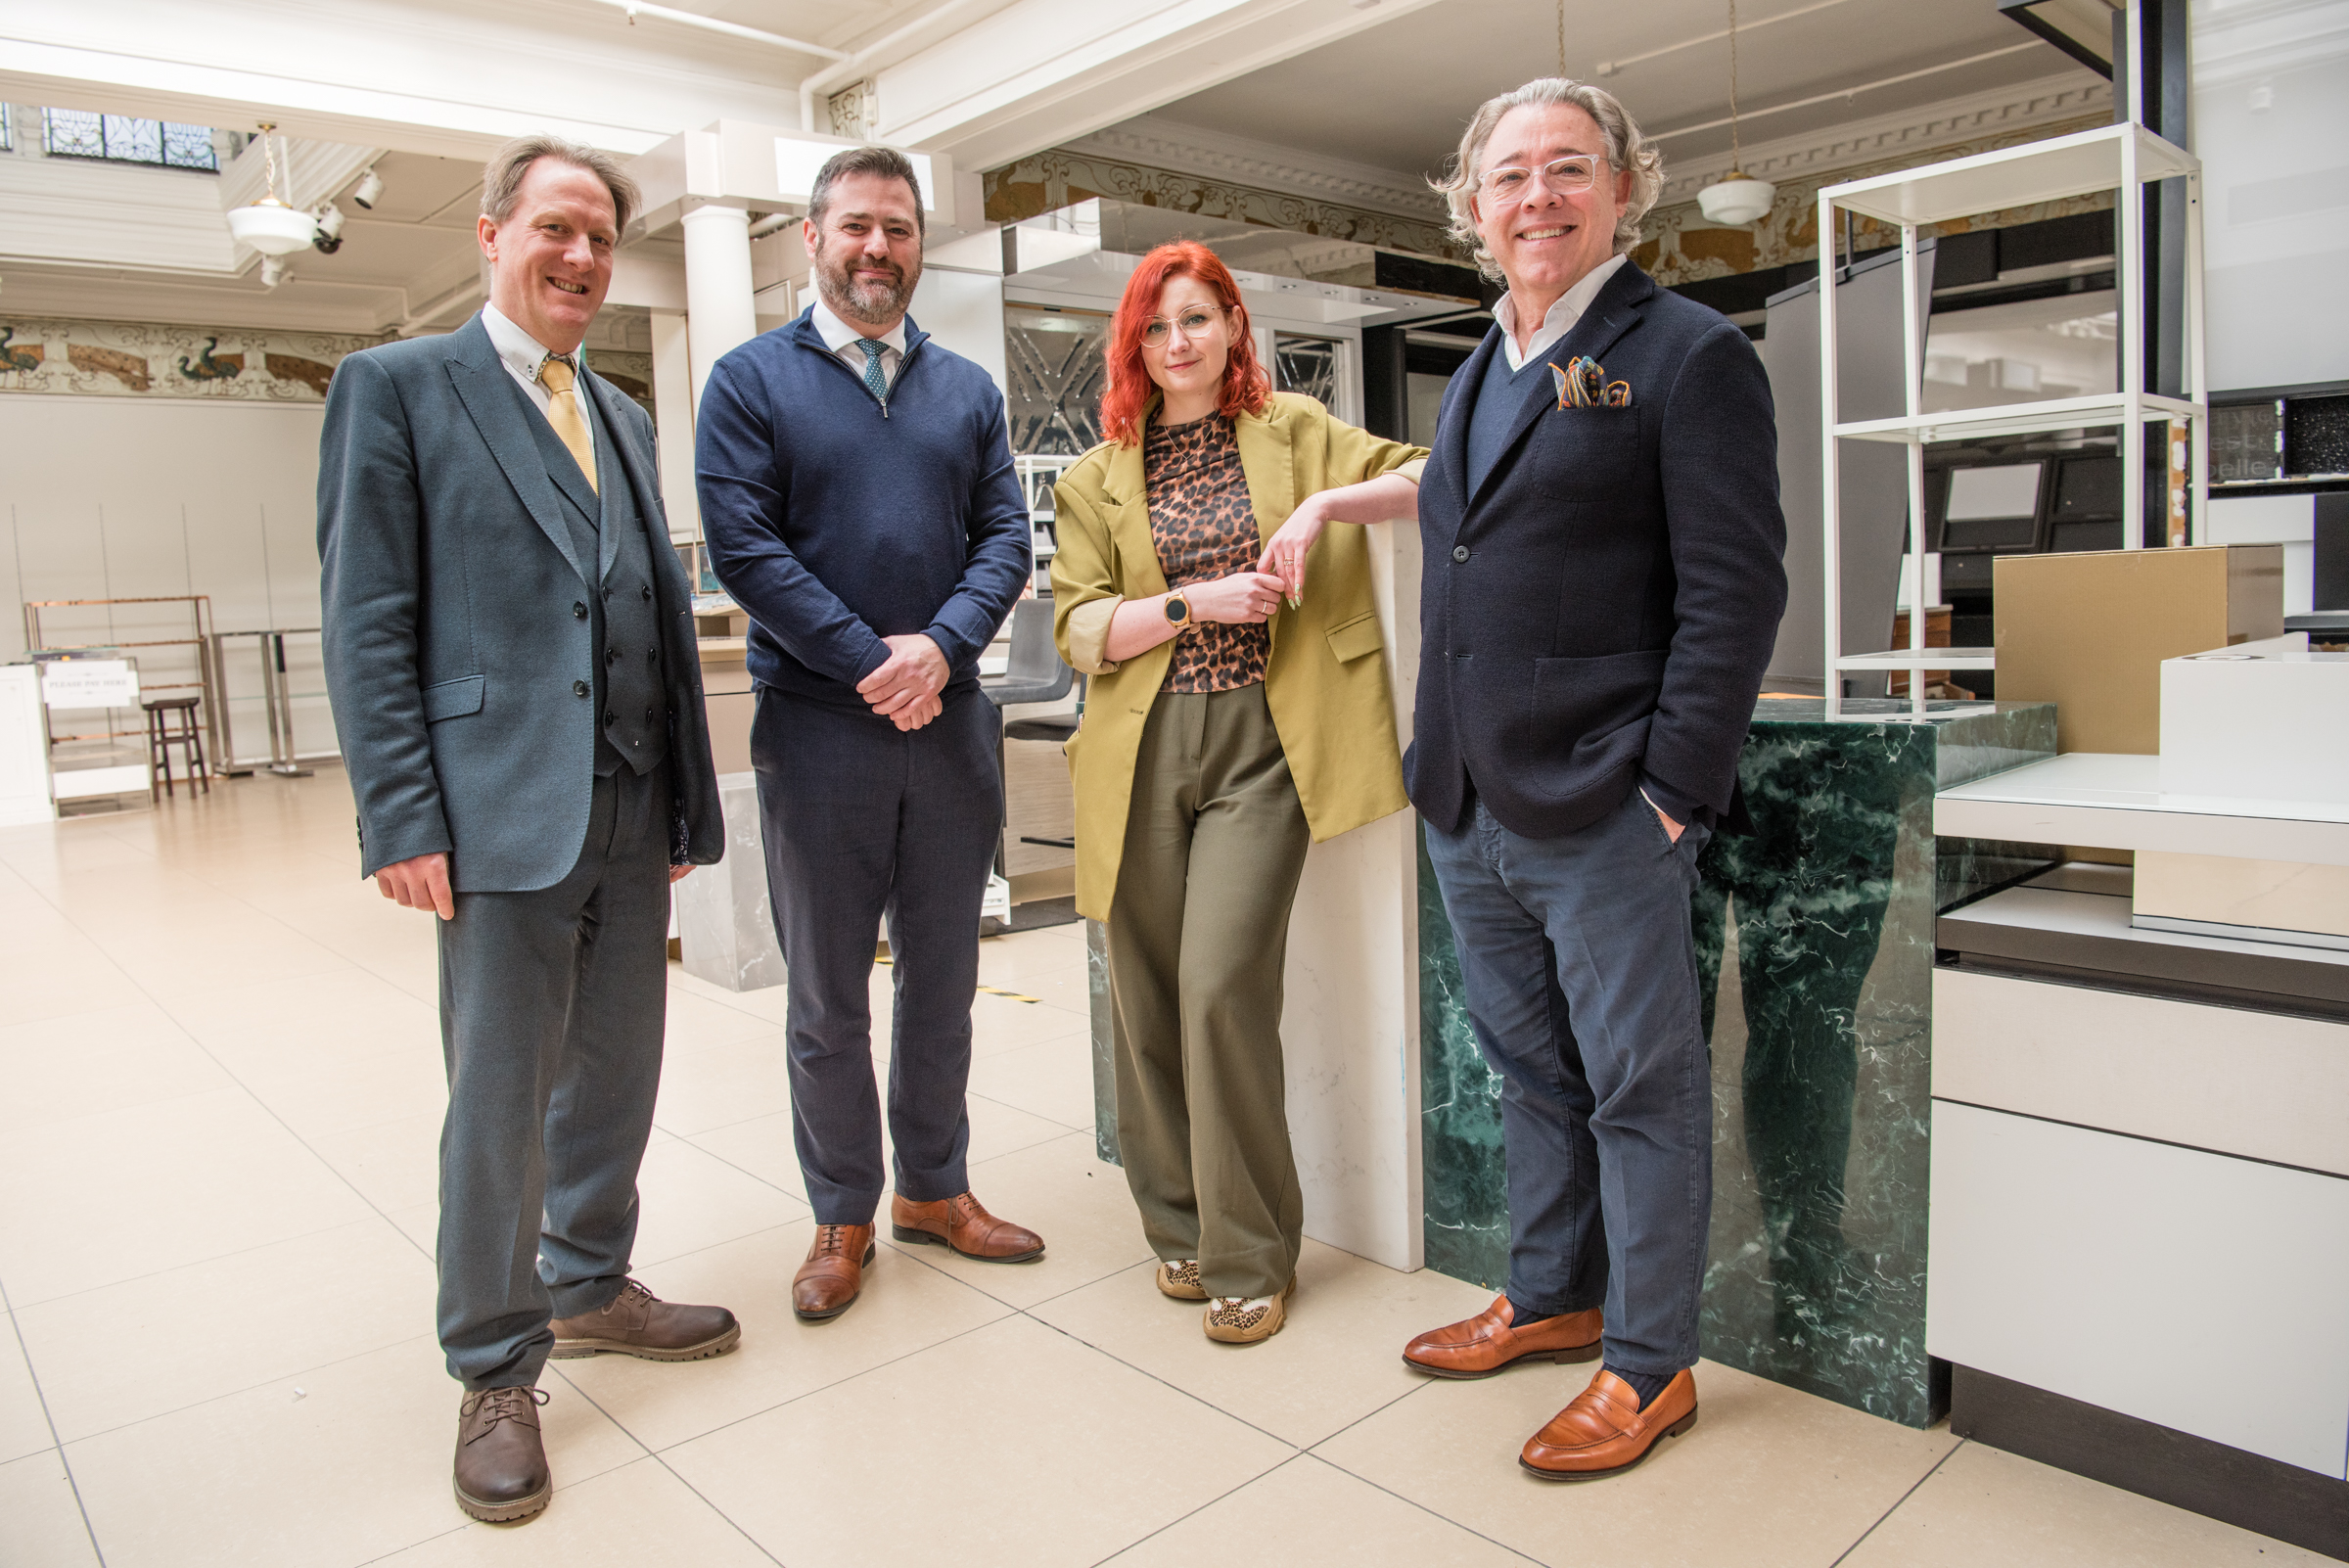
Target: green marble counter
1815,938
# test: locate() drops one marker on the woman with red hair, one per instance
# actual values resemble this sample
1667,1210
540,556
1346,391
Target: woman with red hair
1239,709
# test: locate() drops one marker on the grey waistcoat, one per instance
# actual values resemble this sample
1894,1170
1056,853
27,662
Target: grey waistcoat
630,695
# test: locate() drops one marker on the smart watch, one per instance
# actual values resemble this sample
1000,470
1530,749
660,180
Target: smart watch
1178,609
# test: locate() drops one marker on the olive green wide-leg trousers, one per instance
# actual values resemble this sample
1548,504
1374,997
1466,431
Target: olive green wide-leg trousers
1198,932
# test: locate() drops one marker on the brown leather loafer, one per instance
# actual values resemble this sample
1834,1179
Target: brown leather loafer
1605,1432
637,1322
501,1464
827,1283
962,1223
1492,1340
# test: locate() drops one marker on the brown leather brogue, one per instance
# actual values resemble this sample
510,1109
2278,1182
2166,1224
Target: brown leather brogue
960,1223
1605,1432
637,1322
1493,1340
501,1470
827,1283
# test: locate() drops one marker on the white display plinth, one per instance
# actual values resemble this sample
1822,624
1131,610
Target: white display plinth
23,749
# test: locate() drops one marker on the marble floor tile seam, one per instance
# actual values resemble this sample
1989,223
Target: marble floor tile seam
63,1459
68,1445
1861,1539
215,1258
1024,1111
658,1458
1228,1493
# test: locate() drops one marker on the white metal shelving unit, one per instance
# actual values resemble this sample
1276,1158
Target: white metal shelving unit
2122,158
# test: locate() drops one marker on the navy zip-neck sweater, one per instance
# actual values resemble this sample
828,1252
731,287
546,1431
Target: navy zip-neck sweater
837,519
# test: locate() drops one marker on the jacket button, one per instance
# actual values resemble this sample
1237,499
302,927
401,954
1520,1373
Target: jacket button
1459,552
653,655
579,688
611,656
580,611
647,590
609,721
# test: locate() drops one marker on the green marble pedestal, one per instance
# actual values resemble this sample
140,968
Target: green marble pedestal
1815,938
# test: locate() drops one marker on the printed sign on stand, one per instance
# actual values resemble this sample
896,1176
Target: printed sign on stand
90,683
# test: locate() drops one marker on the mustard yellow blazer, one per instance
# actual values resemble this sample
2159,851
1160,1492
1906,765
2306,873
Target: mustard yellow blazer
1324,682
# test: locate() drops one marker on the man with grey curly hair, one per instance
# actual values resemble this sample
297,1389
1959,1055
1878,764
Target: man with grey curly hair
1603,587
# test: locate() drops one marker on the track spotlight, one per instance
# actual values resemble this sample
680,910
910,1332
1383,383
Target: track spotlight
369,190
330,228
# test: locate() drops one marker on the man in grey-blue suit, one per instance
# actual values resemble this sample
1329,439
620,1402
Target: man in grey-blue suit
510,651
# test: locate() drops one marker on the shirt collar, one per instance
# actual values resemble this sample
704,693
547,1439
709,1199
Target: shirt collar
838,333
523,353
1569,308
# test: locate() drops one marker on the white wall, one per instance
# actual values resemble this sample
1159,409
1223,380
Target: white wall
2271,122
112,497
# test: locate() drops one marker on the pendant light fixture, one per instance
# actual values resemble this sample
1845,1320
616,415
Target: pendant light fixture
1736,199
269,225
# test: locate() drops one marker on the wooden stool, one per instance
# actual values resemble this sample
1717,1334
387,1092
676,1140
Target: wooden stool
161,736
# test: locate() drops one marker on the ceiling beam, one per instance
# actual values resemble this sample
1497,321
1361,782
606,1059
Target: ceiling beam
1039,73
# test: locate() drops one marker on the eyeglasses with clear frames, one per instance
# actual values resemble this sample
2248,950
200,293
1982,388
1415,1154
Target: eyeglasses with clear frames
1567,176
1191,322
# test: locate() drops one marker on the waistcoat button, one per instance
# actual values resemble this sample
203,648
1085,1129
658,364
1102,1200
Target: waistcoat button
1459,552
579,610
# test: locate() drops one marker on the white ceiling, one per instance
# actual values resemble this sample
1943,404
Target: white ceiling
1399,96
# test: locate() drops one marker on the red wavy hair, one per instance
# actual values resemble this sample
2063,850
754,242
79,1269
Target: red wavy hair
1246,387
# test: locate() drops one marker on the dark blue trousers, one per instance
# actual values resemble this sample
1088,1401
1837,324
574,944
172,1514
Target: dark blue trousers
862,823
1581,979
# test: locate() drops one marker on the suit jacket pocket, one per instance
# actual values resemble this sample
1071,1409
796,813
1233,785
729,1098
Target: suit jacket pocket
451,699
1582,703
1586,454
1357,638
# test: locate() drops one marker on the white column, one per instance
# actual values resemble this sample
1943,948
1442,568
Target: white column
718,313
673,403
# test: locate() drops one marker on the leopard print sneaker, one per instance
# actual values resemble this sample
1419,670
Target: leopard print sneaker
1248,1320
1180,1279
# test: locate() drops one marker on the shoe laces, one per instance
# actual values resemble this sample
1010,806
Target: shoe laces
832,1241
636,1290
497,1404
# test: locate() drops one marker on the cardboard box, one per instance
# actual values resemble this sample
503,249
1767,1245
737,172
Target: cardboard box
2089,631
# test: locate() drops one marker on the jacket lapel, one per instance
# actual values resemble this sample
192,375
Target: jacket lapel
1449,463
1129,519
1609,317
1266,460
489,397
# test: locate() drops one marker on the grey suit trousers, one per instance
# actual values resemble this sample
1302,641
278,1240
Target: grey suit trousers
552,1008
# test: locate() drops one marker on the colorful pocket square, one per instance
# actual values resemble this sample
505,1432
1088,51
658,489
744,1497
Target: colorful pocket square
1584,384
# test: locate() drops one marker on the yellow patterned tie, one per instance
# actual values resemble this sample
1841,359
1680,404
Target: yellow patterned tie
558,377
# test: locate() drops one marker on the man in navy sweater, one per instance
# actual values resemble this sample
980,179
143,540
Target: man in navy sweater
857,492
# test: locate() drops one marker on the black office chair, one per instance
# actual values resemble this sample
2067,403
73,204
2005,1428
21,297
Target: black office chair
1036,673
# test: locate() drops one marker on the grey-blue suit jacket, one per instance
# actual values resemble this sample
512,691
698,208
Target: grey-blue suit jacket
457,636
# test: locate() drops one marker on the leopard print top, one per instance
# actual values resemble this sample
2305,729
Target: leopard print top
1205,528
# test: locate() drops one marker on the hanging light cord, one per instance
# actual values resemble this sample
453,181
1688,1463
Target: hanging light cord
1736,152
269,161
1561,38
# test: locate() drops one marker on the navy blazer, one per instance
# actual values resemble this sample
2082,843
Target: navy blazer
1606,601
457,640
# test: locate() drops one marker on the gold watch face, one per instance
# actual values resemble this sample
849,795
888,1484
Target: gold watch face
1178,609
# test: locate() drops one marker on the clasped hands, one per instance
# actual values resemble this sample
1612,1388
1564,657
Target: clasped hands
905,689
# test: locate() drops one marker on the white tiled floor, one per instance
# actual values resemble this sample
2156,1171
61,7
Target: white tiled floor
219,1097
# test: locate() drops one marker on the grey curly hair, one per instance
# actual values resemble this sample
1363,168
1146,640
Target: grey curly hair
1627,151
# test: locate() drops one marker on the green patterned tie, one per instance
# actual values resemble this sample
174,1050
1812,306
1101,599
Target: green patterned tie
873,349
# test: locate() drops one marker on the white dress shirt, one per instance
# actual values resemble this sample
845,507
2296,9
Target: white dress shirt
841,338
523,356
1560,318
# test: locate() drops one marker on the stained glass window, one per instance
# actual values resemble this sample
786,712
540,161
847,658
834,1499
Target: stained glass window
126,139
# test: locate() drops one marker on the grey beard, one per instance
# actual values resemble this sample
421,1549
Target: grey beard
873,304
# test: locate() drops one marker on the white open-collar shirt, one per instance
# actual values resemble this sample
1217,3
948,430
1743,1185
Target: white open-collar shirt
1560,318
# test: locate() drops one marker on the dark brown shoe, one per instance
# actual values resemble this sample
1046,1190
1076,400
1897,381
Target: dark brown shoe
1605,1432
501,1463
637,1322
1493,1340
962,1223
827,1283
